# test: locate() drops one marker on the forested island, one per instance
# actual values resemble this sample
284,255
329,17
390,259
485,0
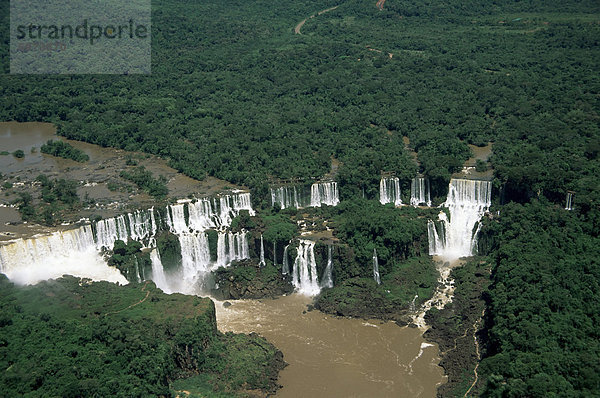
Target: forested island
285,104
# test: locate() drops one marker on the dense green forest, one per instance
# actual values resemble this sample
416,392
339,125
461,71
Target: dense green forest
235,94
75,338
544,305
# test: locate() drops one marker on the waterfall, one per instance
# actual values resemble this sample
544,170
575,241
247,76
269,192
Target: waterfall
285,267
304,274
79,251
412,307
376,268
324,193
569,201
110,230
389,191
286,197
275,254
231,247
327,279
158,273
262,252
419,192
467,202
73,252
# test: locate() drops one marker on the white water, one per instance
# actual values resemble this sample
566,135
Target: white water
324,193
287,196
79,251
419,192
285,267
262,252
389,191
327,279
72,252
569,201
304,274
158,273
467,202
376,268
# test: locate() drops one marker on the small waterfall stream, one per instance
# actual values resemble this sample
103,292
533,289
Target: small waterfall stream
262,252
285,267
376,268
327,279
569,201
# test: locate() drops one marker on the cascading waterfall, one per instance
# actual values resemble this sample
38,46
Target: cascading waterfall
275,254
569,201
389,191
231,247
262,252
73,252
158,273
79,251
419,192
376,268
467,202
324,193
304,274
327,279
285,267
286,196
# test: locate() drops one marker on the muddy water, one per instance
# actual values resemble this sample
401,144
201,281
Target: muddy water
338,357
93,177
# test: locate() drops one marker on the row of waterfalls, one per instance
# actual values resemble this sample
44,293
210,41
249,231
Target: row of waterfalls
320,193
420,194
79,251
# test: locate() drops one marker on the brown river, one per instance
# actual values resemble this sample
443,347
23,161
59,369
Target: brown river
338,357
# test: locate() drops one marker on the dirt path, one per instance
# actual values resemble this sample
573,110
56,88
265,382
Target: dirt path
380,4
299,26
475,328
134,304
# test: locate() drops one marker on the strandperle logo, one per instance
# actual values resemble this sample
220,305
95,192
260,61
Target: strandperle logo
80,37
86,31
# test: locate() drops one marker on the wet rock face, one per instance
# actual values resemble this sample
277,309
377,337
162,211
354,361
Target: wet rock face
246,280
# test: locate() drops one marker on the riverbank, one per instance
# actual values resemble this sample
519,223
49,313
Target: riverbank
100,338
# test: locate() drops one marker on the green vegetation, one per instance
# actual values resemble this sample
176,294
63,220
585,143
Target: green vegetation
131,261
544,305
396,234
144,179
19,154
75,338
64,150
362,297
244,280
57,196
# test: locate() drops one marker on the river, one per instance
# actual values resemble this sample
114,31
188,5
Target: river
338,357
